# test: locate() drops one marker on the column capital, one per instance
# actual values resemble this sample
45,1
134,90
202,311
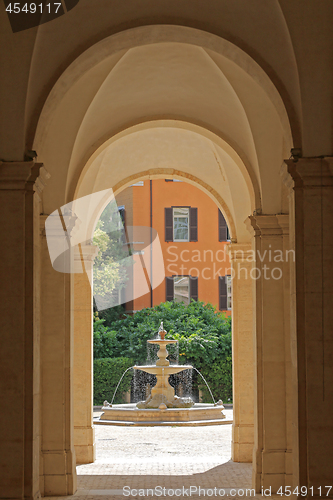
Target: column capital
311,172
240,251
84,256
87,252
41,180
252,226
59,224
268,225
23,175
283,221
265,225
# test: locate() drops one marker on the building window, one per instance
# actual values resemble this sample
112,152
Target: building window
181,288
121,211
223,228
181,224
225,293
121,224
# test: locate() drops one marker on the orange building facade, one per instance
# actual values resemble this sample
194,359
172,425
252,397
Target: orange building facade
188,258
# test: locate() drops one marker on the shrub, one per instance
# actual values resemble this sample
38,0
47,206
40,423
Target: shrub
107,373
111,314
198,327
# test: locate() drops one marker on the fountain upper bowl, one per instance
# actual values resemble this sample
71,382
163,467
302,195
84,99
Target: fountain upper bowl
160,370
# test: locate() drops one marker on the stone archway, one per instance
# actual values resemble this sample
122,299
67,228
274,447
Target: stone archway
253,185
217,67
243,371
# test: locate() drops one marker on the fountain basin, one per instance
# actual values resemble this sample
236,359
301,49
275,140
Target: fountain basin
129,414
163,370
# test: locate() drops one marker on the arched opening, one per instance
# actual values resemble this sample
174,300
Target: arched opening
168,145
222,144
242,336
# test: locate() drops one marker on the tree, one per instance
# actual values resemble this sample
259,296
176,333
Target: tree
112,261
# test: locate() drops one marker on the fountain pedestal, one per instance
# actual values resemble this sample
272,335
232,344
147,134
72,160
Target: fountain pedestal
163,393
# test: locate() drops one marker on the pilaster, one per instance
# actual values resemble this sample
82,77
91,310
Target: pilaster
241,258
21,184
272,450
84,435
58,474
311,195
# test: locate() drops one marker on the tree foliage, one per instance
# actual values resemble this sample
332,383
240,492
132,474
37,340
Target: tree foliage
110,265
106,269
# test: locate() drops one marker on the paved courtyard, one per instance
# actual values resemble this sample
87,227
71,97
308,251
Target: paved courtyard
174,458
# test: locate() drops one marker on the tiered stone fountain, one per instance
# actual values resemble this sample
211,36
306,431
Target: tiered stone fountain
163,407
162,395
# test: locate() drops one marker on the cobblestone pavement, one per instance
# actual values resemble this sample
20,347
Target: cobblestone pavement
178,459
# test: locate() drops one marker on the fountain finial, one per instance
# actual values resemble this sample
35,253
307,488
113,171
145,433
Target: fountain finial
161,331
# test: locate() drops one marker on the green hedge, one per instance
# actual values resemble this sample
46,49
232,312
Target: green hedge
107,373
219,378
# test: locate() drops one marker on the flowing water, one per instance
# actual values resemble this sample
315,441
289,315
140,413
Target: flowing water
121,378
186,381
203,378
182,382
152,350
140,382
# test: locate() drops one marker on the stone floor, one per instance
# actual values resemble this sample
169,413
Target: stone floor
179,459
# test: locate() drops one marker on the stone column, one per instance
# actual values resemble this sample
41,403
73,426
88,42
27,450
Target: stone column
21,184
272,452
311,187
241,257
58,474
287,265
84,435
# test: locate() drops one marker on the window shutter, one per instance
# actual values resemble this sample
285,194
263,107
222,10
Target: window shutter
223,293
122,214
193,287
169,295
168,224
223,228
193,224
